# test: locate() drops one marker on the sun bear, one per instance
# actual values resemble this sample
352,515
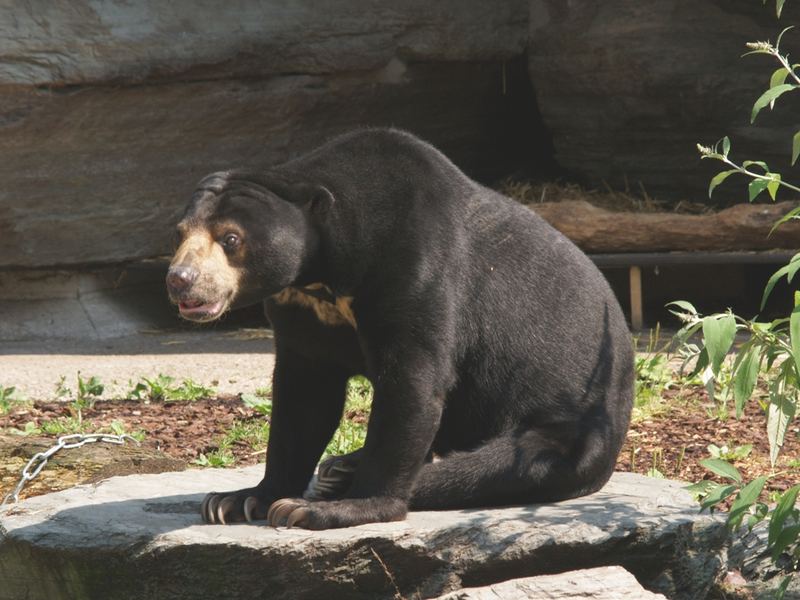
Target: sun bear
501,362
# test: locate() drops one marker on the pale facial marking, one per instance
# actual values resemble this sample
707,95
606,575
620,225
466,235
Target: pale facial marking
217,283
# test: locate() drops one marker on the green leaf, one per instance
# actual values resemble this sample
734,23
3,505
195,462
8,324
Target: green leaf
744,500
778,77
795,147
716,495
722,468
719,178
780,591
773,184
794,333
768,97
779,414
789,270
687,306
726,145
756,187
787,536
745,379
778,10
758,163
792,214
783,510
718,334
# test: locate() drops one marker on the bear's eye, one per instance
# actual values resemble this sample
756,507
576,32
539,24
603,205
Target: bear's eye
231,241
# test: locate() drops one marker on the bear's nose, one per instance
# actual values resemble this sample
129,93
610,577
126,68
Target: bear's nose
180,278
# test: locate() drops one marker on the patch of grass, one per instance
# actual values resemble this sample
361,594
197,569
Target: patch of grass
64,426
352,431
653,376
163,388
253,433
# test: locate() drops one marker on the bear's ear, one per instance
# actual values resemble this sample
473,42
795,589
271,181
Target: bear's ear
321,199
315,198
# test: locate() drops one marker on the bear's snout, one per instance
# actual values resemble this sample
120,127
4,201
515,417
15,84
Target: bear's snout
179,279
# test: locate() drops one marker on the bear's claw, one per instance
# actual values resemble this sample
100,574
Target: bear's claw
288,512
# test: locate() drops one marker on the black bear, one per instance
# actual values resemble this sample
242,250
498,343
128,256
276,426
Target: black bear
501,361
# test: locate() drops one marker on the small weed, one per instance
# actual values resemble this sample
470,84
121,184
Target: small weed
261,403
656,470
62,391
89,390
728,454
9,398
218,459
117,427
163,388
30,429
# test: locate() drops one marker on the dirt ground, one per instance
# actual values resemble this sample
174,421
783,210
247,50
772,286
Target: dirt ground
670,443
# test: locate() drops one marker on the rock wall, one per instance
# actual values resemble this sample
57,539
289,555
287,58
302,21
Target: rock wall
110,111
628,88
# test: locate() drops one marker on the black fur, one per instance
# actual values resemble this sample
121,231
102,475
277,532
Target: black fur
492,341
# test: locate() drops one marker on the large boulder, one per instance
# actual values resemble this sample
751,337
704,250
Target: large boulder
628,89
110,111
141,537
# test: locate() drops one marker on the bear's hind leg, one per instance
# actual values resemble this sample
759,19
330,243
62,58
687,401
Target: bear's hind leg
519,467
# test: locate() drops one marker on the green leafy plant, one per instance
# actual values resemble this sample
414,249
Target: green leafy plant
89,390
770,349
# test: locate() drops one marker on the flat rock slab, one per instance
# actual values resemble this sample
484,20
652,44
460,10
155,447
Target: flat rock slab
141,537
600,583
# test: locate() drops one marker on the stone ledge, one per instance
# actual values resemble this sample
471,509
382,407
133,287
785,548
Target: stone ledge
140,536
600,583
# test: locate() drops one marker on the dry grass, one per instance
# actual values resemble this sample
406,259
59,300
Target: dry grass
534,192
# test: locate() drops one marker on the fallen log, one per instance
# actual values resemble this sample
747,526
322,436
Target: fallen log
741,227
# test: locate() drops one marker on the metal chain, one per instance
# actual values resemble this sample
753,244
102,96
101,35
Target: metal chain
73,440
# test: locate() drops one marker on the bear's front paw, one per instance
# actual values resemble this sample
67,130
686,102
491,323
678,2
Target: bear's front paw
297,512
232,507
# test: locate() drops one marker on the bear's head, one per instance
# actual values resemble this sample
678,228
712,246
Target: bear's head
241,239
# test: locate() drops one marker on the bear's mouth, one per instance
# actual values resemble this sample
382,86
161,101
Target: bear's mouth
197,310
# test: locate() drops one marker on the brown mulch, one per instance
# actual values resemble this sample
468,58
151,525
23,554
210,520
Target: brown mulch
673,442
182,429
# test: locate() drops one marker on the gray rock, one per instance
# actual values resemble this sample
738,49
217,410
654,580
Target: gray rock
600,583
748,554
629,88
141,537
111,111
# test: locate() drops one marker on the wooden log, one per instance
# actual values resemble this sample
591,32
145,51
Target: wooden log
741,227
